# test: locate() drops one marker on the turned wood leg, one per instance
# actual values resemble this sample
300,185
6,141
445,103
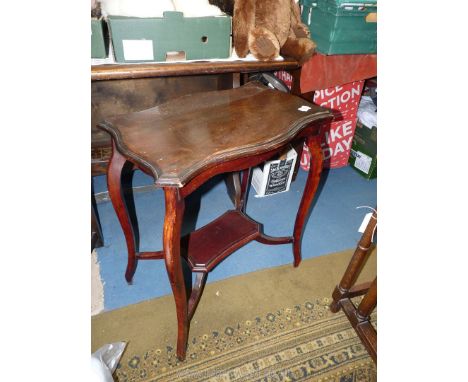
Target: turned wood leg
355,265
313,179
368,303
114,185
172,226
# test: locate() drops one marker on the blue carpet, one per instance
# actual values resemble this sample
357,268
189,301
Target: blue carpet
332,227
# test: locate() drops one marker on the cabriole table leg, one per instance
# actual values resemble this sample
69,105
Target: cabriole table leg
114,185
172,227
313,179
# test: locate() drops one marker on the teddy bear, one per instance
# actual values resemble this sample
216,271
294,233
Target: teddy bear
268,28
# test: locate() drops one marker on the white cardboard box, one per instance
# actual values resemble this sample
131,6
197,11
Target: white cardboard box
276,175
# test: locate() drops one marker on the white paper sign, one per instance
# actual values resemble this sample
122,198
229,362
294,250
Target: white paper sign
365,222
138,50
363,162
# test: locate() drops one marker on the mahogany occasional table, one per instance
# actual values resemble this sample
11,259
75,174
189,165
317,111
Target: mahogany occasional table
188,140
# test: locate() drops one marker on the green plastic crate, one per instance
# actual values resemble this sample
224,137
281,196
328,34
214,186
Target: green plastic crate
150,39
99,39
340,26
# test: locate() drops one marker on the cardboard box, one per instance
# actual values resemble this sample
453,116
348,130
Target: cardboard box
337,136
342,26
275,176
160,38
363,156
99,39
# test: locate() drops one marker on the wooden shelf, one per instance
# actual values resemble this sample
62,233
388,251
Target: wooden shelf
126,71
209,245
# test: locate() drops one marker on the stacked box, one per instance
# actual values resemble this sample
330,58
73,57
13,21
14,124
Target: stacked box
364,151
337,136
155,39
99,39
342,26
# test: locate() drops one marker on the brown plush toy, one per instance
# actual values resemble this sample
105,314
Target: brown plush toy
268,28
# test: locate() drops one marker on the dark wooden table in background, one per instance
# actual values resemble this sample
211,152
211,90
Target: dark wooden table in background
124,88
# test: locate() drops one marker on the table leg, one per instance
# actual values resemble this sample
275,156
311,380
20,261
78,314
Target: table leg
246,174
197,290
313,179
96,232
172,227
233,185
237,184
114,185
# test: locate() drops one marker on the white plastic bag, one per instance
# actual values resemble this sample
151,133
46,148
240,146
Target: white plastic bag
105,360
367,112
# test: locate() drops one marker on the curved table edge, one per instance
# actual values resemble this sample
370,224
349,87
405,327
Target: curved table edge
186,176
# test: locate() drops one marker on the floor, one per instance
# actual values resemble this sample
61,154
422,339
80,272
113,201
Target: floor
97,290
333,226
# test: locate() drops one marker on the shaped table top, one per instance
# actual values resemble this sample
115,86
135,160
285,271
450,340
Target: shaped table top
179,139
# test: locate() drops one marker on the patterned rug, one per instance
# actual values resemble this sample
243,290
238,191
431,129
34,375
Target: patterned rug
304,342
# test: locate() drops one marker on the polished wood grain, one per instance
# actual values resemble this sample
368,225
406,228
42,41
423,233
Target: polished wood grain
110,98
186,142
359,316
233,185
312,183
177,140
125,71
171,240
197,290
209,245
114,185
244,187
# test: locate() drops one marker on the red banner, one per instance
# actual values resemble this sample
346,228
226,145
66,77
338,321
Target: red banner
337,136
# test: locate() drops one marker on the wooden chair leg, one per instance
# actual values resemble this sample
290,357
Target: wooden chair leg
368,303
172,227
313,179
355,265
114,185
364,328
